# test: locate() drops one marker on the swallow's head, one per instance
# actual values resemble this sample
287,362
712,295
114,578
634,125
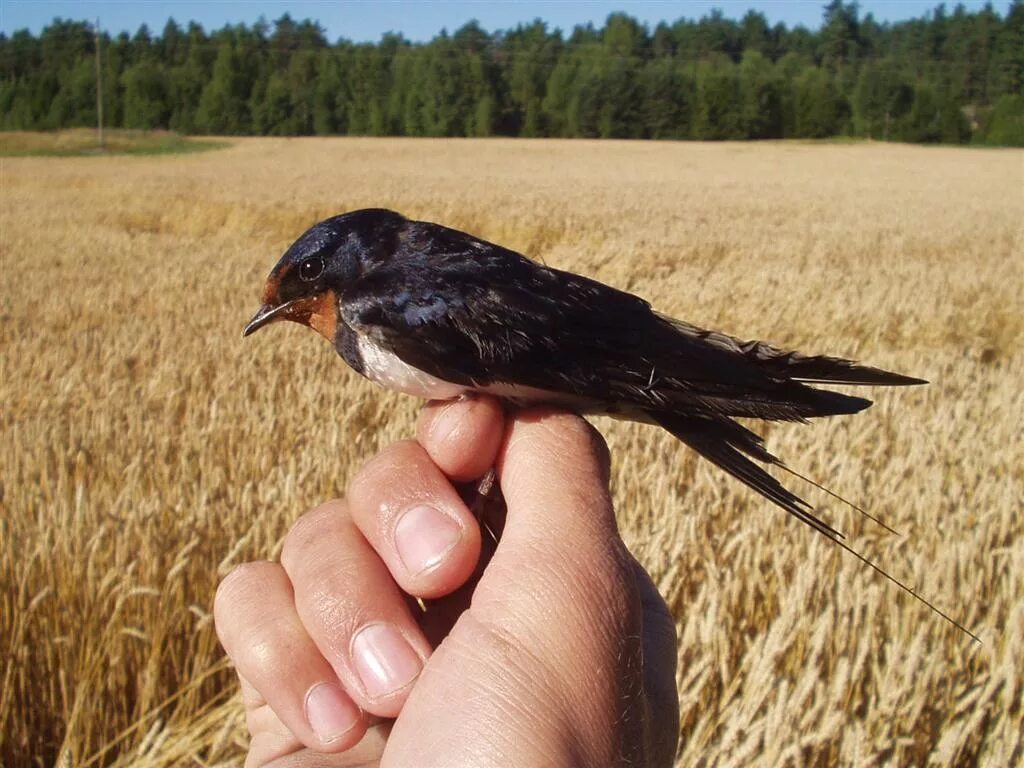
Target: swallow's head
306,283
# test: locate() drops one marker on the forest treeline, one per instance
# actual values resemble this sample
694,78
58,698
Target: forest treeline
952,76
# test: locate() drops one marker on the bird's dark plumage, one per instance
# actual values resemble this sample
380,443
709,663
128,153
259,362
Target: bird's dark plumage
485,318
436,312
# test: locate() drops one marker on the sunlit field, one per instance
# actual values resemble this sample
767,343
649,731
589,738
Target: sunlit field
147,449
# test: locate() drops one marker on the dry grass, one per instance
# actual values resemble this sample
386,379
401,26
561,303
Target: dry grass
84,141
146,449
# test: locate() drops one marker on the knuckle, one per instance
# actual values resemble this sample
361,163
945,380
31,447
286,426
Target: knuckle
266,652
324,563
309,530
496,650
336,614
584,440
333,568
565,435
607,578
258,655
329,604
400,475
242,582
241,594
613,578
384,468
566,428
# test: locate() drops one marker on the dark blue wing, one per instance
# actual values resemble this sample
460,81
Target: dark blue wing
474,313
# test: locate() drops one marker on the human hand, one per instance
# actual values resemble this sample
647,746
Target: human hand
561,653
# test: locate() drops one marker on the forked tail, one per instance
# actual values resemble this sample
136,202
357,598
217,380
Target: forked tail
731,446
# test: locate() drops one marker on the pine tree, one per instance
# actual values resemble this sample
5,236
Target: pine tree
328,98
1006,126
718,101
531,53
1006,72
222,106
840,36
668,100
145,96
761,99
881,100
819,109
924,121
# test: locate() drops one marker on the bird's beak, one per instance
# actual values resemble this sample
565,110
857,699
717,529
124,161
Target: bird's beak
268,314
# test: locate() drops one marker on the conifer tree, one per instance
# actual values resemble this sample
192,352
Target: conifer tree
948,76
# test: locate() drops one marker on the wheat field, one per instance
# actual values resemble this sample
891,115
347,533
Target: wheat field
147,449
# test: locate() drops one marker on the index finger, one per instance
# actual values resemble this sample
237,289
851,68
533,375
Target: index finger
462,436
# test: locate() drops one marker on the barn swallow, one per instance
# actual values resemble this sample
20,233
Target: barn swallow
438,313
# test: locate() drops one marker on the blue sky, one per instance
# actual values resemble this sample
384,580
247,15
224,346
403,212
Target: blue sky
363,20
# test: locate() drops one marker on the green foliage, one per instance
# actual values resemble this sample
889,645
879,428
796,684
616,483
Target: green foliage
760,98
881,99
668,100
146,103
819,109
1006,125
924,123
75,100
715,78
328,96
222,106
718,101
533,53
82,142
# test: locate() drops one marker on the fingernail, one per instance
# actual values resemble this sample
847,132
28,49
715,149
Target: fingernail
423,537
383,659
330,712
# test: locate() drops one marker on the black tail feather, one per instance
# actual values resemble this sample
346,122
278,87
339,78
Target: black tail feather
721,441
820,369
788,401
724,442
835,370
794,366
826,403
835,495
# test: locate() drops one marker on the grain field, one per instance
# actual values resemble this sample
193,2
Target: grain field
146,449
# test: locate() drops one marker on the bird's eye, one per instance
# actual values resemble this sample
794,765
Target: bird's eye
311,269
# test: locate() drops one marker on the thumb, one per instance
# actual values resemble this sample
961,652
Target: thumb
560,545
560,589
554,470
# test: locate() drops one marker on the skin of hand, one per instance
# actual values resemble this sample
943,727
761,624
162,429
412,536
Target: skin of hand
552,649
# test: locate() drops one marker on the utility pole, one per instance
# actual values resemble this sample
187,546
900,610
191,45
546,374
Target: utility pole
99,88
